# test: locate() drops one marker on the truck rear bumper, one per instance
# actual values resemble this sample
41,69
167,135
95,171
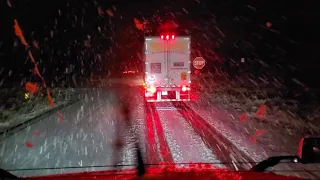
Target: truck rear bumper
166,100
167,95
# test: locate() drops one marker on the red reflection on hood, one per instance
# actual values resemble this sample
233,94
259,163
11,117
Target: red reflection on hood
171,172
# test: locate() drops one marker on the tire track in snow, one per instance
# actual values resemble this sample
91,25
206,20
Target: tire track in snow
164,148
151,151
186,145
221,147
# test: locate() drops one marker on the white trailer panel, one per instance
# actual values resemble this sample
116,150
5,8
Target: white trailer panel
167,66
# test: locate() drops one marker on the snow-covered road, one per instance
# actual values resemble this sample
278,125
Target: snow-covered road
81,137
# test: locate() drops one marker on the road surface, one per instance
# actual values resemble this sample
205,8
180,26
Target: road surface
81,137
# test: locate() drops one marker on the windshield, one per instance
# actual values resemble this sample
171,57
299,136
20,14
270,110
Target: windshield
226,83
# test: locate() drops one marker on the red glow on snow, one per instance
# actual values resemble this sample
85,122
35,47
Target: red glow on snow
152,154
164,148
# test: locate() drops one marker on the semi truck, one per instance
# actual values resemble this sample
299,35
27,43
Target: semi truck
167,68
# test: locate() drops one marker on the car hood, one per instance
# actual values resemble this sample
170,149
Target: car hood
170,172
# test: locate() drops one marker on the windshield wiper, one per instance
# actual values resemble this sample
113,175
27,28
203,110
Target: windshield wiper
140,167
272,161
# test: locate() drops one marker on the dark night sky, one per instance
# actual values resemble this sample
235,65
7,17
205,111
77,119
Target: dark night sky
292,39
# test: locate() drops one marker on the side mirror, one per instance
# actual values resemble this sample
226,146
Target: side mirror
309,150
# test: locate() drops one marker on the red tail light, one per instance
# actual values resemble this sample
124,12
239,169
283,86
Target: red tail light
167,37
172,37
162,36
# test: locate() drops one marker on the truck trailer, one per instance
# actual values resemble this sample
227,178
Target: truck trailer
167,68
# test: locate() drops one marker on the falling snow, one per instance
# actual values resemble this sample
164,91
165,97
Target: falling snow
61,79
